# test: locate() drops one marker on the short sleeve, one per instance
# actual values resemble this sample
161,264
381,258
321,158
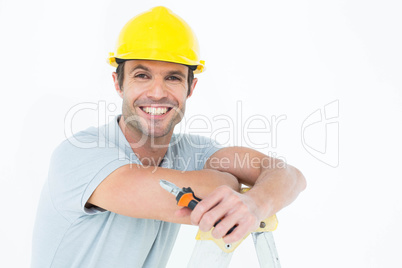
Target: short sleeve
211,147
76,172
199,147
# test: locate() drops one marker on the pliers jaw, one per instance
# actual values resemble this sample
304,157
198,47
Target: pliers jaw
170,187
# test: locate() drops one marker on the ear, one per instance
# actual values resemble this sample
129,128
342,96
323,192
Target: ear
116,85
195,80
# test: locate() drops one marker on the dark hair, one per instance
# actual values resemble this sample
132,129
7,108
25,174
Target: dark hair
120,75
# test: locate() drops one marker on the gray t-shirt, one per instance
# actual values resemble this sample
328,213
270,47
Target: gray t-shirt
67,234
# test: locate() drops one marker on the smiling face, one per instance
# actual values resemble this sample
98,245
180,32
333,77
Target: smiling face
154,96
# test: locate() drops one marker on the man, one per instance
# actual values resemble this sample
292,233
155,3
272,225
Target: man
102,205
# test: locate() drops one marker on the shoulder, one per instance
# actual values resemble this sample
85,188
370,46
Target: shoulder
89,145
84,139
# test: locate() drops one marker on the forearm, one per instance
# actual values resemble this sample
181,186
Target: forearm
204,181
134,190
275,184
276,188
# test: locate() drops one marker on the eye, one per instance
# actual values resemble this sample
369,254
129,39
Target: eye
141,76
173,78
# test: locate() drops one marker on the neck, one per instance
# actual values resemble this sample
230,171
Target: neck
149,150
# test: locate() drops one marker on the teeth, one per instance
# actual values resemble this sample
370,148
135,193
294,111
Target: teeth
155,111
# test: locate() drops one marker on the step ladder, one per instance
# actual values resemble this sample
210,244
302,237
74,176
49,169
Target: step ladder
210,252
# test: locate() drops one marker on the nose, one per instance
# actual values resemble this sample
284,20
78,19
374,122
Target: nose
157,89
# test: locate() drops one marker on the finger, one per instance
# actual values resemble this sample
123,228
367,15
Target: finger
238,214
208,203
224,226
227,210
232,208
244,227
211,217
238,233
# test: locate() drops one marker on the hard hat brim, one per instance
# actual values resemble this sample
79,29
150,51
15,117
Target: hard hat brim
157,56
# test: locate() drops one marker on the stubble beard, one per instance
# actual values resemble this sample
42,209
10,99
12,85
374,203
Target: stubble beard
155,129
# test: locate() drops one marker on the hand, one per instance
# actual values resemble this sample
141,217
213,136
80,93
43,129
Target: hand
232,208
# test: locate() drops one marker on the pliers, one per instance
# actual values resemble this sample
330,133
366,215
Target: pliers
185,197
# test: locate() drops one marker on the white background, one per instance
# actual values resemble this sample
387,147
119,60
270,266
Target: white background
278,58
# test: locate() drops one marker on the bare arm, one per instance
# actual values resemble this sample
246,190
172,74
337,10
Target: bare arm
275,185
134,191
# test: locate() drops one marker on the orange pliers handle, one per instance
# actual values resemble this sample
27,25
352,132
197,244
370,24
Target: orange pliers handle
186,198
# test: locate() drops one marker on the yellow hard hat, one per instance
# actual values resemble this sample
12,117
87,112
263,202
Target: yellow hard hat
158,34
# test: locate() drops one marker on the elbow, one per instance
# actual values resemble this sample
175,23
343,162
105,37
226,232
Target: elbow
301,180
229,180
